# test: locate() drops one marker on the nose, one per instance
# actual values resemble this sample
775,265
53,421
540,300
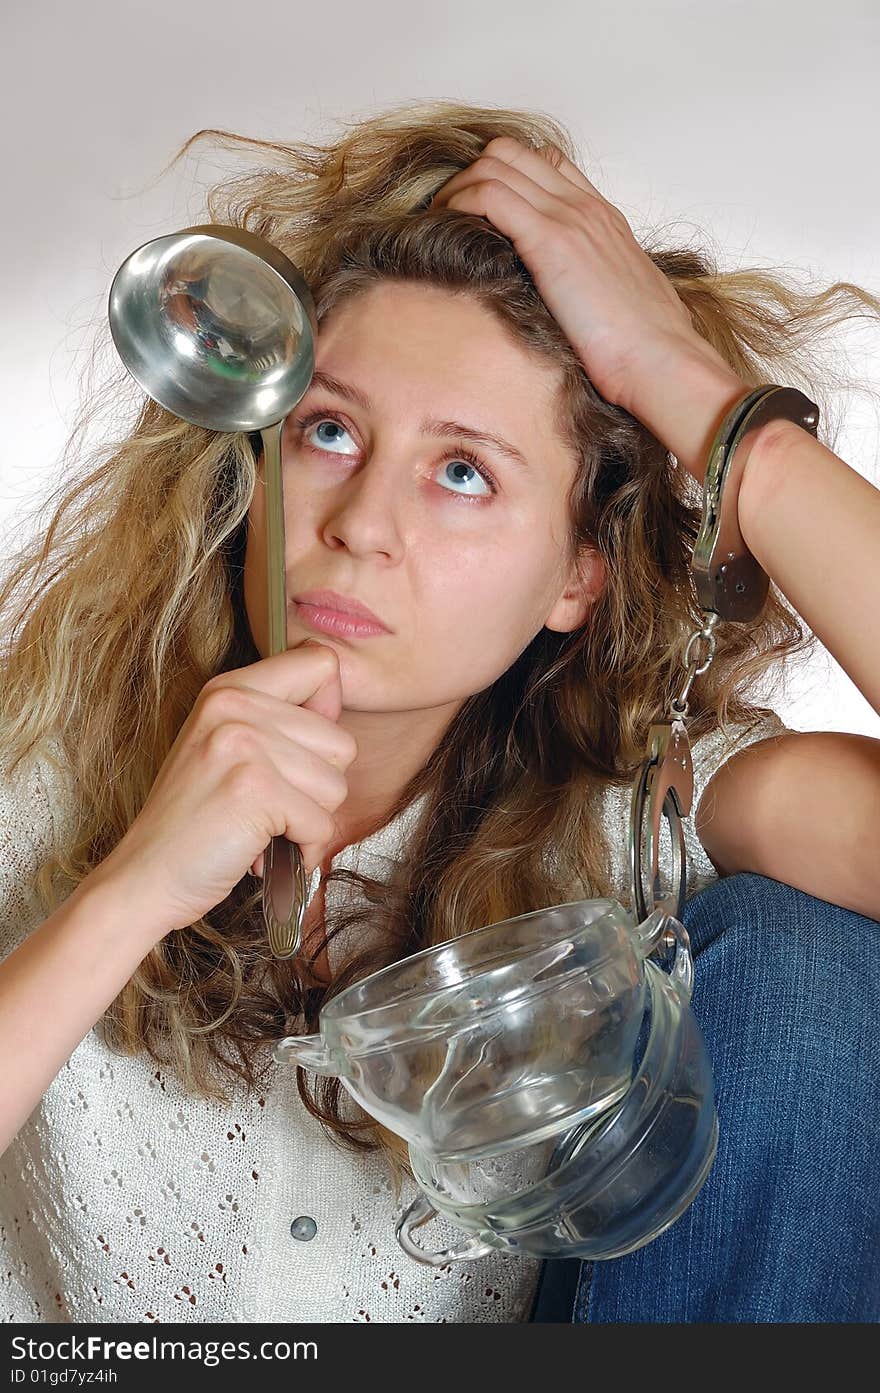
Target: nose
363,513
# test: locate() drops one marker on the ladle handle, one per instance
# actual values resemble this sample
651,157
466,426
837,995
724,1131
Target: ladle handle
284,879
284,896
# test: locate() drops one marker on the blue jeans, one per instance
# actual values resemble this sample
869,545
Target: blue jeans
787,1226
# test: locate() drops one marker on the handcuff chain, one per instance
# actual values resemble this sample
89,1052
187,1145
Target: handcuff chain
706,633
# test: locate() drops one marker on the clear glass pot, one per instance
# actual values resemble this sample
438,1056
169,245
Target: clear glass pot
502,1036
605,1187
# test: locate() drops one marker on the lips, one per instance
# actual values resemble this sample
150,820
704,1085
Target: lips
343,604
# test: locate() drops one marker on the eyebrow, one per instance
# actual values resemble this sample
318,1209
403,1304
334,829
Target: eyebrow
431,426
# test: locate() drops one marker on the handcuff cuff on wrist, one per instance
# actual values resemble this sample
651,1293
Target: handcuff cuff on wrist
731,586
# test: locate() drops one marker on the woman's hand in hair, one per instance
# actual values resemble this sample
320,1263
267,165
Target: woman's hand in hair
604,291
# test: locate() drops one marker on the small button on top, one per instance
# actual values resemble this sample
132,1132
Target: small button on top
303,1228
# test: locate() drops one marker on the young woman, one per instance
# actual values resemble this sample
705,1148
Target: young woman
500,455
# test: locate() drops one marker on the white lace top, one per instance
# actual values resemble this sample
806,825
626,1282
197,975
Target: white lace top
122,1198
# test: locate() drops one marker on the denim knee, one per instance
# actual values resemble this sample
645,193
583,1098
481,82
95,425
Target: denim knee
787,1226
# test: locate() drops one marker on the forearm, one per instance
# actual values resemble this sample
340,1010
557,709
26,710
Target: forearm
814,525
57,984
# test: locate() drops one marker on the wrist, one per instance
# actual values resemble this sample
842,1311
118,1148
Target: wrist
110,887
681,391
761,478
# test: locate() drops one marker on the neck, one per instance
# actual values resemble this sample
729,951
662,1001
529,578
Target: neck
392,747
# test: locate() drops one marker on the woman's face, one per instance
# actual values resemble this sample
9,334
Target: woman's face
382,504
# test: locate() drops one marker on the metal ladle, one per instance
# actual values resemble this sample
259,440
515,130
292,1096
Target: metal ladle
219,327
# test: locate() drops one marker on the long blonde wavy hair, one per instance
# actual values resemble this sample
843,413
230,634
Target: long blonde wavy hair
131,600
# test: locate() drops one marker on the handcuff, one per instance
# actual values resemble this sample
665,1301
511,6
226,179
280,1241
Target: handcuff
731,586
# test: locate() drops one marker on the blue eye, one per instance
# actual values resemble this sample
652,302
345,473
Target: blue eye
464,460
461,461
330,439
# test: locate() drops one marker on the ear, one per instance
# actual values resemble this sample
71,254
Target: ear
585,584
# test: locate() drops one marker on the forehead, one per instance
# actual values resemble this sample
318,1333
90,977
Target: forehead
423,350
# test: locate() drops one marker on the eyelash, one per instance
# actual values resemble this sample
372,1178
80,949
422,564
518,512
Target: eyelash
462,453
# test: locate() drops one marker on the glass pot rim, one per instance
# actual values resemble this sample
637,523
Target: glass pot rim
339,1009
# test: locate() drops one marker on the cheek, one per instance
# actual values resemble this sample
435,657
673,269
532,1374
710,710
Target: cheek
484,599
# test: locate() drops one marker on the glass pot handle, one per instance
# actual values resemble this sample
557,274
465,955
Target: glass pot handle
308,1050
661,929
418,1213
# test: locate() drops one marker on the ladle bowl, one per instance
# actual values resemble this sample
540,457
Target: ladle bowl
216,325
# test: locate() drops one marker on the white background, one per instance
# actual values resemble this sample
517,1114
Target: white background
752,125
